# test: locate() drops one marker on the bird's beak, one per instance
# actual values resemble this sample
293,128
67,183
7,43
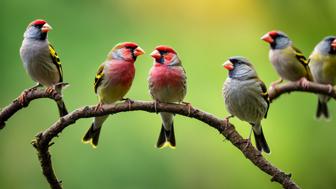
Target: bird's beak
267,38
46,28
333,44
138,51
228,65
156,54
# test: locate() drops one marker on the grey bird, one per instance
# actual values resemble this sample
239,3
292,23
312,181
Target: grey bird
323,68
246,97
288,61
41,61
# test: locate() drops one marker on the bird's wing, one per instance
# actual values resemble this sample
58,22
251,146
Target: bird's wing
264,94
300,57
304,61
56,60
99,77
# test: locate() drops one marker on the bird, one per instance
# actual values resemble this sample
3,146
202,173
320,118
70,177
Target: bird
41,61
323,68
113,80
246,97
288,61
167,83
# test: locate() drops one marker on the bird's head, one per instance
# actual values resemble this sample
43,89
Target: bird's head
239,68
127,51
37,29
164,55
327,45
276,39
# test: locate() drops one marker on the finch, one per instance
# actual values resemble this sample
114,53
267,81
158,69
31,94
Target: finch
323,68
40,59
287,60
113,80
167,83
245,97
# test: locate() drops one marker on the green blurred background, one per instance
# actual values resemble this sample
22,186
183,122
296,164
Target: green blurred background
204,33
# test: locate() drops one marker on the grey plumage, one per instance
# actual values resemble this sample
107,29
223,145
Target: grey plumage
288,61
245,97
323,68
40,59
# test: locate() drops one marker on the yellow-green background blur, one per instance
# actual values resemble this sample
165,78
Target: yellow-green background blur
204,33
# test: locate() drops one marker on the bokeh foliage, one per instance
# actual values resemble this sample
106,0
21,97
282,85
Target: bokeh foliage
204,33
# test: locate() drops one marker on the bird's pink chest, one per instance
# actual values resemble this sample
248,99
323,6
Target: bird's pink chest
163,76
122,73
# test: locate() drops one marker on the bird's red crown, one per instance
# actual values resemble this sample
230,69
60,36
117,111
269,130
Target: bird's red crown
127,45
165,48
273,33
38,22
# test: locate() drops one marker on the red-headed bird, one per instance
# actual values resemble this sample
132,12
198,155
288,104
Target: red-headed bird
288,61
323,67
41,61
113,80
167,83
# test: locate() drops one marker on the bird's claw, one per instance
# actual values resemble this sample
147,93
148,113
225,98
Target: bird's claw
50,90
99,107
227,119
129,101
275,83
155,105
248,143
189,107
330,88
304,82
22,98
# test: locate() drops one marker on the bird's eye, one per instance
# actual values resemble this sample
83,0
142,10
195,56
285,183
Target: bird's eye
163,52
233,60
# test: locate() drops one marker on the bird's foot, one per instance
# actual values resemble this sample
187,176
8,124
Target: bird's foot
50,90
99,107
304,82
129,101
275,83
189,107
155,105
248,143
330,88
227,119
248,140
22,97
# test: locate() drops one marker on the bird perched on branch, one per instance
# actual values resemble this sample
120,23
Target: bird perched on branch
246,97
167,83
113,80
287,60
323,68
41,61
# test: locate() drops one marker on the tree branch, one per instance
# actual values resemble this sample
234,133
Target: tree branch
15,106
43,140
312,87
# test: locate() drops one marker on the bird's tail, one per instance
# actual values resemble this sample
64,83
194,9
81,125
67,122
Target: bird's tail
61,108
261,141
322,109
167,135
92,135
166,138
60,103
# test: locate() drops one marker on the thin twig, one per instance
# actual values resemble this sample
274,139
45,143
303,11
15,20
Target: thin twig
8,111
312,87
227,130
